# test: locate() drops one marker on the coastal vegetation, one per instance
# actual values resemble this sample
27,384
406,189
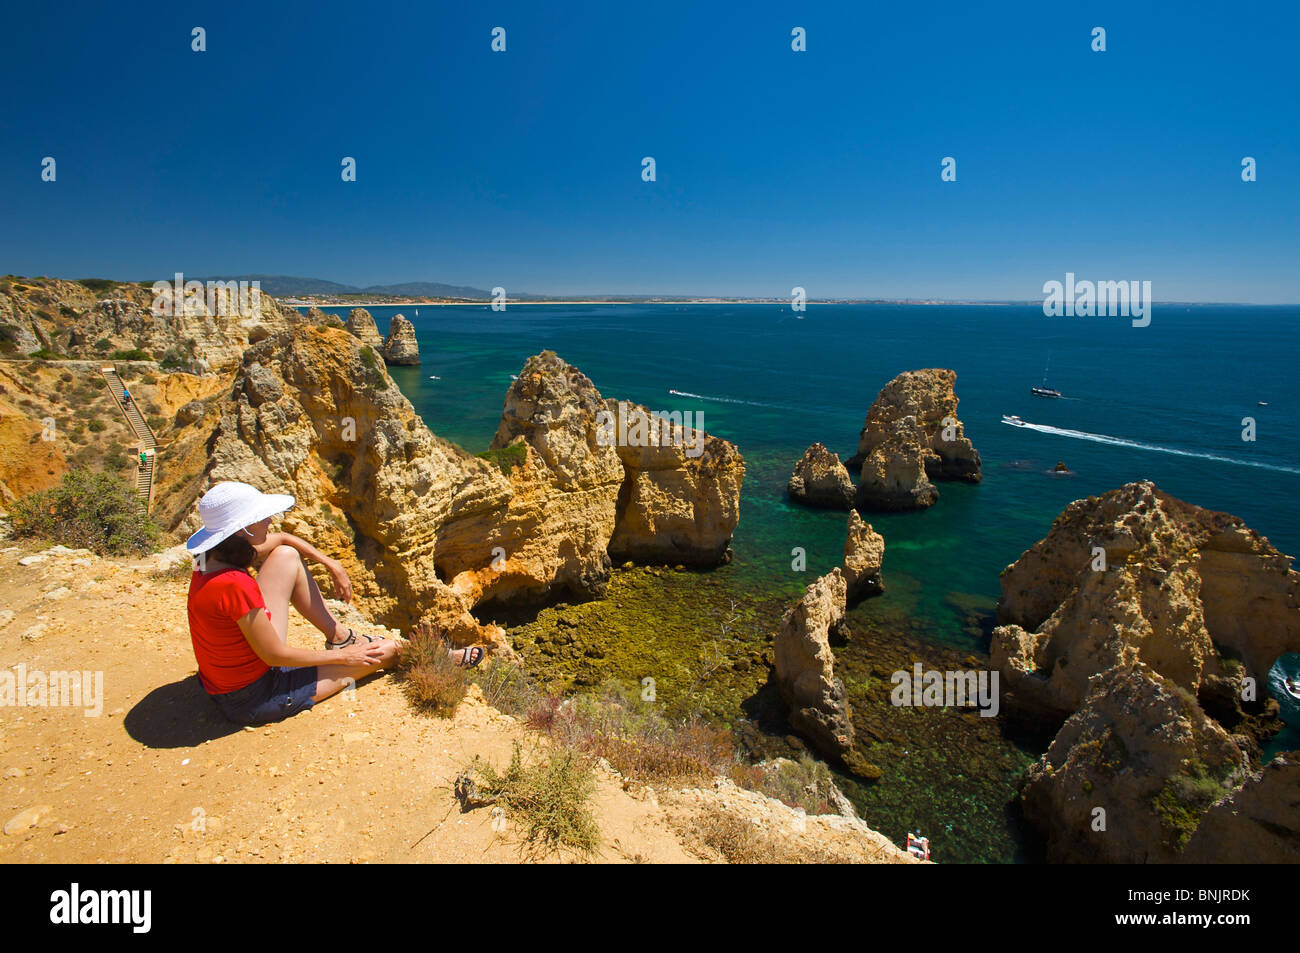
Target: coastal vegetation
87,510
550,797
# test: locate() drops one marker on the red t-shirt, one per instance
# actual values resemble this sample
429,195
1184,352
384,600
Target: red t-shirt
218,600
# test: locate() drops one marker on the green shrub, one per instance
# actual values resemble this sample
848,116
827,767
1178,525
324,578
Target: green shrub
88,510
103,344
44,354
96,284
116,459
506,458
135,354
96,425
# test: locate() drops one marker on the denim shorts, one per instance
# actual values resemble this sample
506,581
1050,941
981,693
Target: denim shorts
279,693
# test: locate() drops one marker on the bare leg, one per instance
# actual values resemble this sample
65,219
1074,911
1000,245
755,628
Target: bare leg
332,679
284,581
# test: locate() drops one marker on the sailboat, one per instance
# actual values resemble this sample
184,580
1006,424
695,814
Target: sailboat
1045,391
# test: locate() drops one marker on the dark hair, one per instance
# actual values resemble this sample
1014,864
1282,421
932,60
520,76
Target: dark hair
234,550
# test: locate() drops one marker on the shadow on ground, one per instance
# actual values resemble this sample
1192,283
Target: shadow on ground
179,715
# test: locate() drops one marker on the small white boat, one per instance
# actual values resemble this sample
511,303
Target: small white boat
1292,687
434,377
514,377
1262,403
1013,420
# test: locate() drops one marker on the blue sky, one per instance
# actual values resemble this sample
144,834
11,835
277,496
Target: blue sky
775,168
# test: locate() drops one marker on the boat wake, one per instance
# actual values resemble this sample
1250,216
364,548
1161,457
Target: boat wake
732,400
1139,445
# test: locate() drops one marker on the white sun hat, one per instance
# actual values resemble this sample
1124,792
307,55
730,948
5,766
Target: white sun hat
229,507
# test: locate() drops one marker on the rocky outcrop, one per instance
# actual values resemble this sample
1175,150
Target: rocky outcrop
207,329
1258,823
819,479
929,396
1130,774
425,529
805,667
1138,575
362,326
400,346
893,473
864,554
680,497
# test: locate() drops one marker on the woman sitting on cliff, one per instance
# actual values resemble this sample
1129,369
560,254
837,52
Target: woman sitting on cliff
239,624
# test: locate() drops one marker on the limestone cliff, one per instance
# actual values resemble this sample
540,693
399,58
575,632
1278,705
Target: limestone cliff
680,497
400,346
805,667
1130,773
207,330
864,554
894,474
930,397
819,479
423,527
1137,574
1258,823
362,326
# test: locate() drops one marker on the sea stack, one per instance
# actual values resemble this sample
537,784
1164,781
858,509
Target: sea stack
1145,627
819,479
864,554
361,325
929,397
400,347
893,473
805,667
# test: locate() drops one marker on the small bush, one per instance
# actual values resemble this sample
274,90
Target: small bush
116,459
103,344
135,354
506,458
432,680
96,425
88,510
44,354
551,799
96,284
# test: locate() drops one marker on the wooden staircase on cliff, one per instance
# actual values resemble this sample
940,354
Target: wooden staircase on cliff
145,440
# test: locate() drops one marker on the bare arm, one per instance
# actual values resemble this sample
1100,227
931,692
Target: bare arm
265,641
342,584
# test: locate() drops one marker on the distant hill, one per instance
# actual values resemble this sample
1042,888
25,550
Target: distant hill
280,286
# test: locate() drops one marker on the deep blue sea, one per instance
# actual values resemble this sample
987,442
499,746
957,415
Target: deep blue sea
1164,402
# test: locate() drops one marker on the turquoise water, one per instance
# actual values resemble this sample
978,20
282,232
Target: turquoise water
1165,403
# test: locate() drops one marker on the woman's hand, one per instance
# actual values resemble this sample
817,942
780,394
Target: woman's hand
342,584
371,653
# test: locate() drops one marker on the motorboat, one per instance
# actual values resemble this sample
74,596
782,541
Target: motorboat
1013,420
1044,392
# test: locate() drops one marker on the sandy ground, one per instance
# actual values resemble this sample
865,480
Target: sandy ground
159,776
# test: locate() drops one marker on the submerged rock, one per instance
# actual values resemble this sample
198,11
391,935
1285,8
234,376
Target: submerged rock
864,554
893,473
819,479
805,667
400,346
929,396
